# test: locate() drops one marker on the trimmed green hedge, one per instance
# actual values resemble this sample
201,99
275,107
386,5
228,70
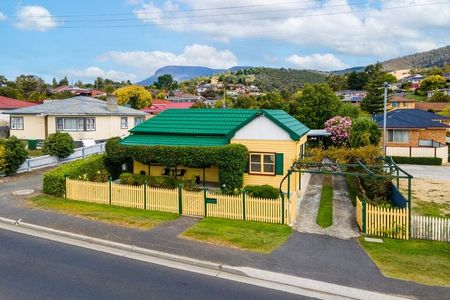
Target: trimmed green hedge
231,159
262,191
90,168
165,182
434,161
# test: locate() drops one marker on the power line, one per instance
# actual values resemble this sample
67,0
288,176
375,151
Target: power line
254,19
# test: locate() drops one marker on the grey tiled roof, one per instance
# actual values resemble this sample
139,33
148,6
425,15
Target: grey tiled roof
80,105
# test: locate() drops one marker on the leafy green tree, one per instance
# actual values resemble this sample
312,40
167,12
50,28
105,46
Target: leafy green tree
166,82
79,83
134,95
15,154
63,81
317,104
337,82
199,104
349,110
28,84
37,96
2,158
10,92
433,82
440,97
446,111
243,101
357,80
3,80
99,83
59,144
364,132
389,78
54,82
272,100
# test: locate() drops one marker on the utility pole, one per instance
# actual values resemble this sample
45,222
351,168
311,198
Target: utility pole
386,85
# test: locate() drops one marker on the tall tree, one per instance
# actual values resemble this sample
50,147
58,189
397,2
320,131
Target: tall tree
317,104
337,82
28,84
357,80
54,82
166,82
63,81
373,103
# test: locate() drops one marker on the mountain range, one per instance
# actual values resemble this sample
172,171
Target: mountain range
433,58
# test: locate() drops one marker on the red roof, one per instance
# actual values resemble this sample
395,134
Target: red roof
158,106
10,103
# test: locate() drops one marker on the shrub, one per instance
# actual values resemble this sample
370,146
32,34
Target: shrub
364,132
262,191
434,161
339,128
377,189
231,159
133,179
15,154
2,158
84,169
59,144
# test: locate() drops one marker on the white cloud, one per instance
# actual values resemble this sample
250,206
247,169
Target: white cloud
376,28
2,16
35,17
194,55
322,62
94,72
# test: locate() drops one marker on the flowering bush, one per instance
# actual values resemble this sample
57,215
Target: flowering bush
339,127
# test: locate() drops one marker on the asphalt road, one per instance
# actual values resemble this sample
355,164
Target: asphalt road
33,268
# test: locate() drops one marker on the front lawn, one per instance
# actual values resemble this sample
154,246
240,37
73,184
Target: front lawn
425,262
129,217
245,235
325,214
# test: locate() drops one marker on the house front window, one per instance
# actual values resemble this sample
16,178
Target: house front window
262,163
124,122
75,124
138,120
17,123
398,136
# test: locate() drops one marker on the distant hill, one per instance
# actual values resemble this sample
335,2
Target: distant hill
433,58
182,73
349,70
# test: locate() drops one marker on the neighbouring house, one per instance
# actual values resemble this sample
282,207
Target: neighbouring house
415,133
84,118
431,106
444,91
351,96
6,105
77,91
182,97
159,105
396,102
413,80
274,140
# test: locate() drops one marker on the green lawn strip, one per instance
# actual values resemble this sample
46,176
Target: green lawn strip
35,153
353,188
431,209
425,262
129,217
325,214
415,97
253,236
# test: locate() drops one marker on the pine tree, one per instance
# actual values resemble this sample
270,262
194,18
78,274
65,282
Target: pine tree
373,103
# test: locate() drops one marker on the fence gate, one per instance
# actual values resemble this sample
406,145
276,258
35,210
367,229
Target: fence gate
192,203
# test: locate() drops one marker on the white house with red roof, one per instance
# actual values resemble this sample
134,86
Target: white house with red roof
8,104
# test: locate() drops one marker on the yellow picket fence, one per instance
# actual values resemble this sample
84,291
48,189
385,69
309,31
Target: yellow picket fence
382,221
240,207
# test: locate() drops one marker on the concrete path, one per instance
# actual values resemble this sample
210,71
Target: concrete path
344,223
428,172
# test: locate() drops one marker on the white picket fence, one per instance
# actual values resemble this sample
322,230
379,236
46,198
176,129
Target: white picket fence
47,161
430,228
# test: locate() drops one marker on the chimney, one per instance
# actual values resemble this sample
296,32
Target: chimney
111,104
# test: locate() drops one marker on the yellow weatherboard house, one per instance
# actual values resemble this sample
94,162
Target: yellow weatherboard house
274,140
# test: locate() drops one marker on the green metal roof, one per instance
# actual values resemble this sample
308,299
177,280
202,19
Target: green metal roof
174,140
205,127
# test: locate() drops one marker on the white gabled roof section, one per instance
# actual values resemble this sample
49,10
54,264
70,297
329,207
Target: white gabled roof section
262,128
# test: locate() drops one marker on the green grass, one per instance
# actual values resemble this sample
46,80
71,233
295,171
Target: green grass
432,209
129,217
415,97
325,214
245,235
424,262
353,188
35,153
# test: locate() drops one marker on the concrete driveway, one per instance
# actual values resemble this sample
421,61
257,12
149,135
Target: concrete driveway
428,172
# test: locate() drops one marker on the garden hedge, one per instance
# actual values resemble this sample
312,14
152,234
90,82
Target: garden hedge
231,159
262,191
434,161
14,154
91,168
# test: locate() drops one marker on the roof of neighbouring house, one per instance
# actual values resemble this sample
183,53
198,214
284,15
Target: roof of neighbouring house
434,106
206,127
10,103
411,118
158,107
79,105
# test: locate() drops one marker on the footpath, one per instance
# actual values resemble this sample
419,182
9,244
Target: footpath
305,256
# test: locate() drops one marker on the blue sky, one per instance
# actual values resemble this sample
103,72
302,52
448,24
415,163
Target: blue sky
130,39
